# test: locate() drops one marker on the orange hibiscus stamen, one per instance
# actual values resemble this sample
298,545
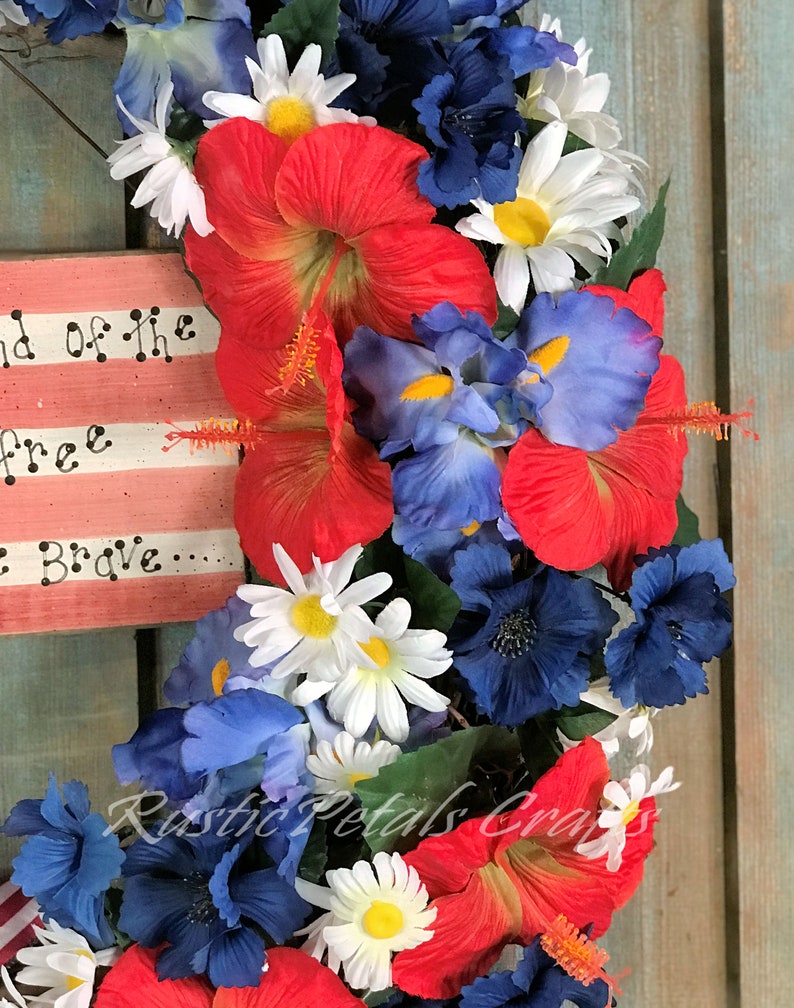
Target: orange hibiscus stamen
703,418
229,435
581,958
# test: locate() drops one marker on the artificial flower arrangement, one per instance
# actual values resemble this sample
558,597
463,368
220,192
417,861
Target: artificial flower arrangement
385,776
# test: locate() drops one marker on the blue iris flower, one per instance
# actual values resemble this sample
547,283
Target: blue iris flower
436,547
420,396
213,656
71,18
198,893
204,50
598,361
69,861
152,756
681,622
522,647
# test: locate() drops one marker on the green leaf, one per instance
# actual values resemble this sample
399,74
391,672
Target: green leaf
688,529
588,722
431,790
304,21
315,854
434,605
506,321
640,251
374,998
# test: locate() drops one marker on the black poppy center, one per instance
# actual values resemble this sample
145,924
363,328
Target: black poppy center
203,909
516,634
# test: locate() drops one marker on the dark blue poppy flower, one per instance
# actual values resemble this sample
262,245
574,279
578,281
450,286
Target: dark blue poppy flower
197,893
213,656
69,861
682,621
537,982
522,647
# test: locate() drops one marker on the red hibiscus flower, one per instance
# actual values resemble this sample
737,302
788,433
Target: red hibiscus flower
505,878
575,508
292,980
308,480
340,204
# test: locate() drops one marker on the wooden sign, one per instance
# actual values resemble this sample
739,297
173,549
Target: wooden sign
99,526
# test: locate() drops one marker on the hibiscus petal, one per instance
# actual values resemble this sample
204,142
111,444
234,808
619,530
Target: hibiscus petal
133,982
294,490
645,297
292,979
315,188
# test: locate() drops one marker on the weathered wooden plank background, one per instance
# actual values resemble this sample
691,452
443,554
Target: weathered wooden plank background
704,91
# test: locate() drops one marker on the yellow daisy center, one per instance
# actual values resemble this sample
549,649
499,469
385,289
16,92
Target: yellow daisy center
383,920
630,813
377,650
432,386
354,778
220,674
310,619
73,982
523,220
289,117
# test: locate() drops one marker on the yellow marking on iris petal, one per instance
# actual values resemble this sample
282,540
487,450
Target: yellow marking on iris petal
376,649
310,619
289,117
471,528
432,386
383,920
523,220
550,354
630,813
220,674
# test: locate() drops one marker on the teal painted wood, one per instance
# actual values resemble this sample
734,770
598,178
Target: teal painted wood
759,90
657,57
66,697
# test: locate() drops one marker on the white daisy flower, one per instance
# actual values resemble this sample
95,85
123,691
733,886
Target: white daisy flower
372,915
10,11
563,213
312,626
338,767
633,723
623,801
65,964
387,676
19,1001
288,104
170,185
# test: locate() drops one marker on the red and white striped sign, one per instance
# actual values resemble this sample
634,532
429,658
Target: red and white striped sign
98,526
18,914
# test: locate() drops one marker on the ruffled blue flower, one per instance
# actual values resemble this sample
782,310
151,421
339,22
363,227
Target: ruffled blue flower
157,16
525,48
71,18
152,756
198,893
199,54
537,982
681,622
470,117
213,656
598,361
388,45
522,647
69,861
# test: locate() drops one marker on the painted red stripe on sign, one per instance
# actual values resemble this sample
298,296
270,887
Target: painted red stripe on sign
132,502
134,602
116,391
83,283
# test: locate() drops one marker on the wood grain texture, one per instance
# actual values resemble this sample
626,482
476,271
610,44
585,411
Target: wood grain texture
657,57
759,153
67,697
